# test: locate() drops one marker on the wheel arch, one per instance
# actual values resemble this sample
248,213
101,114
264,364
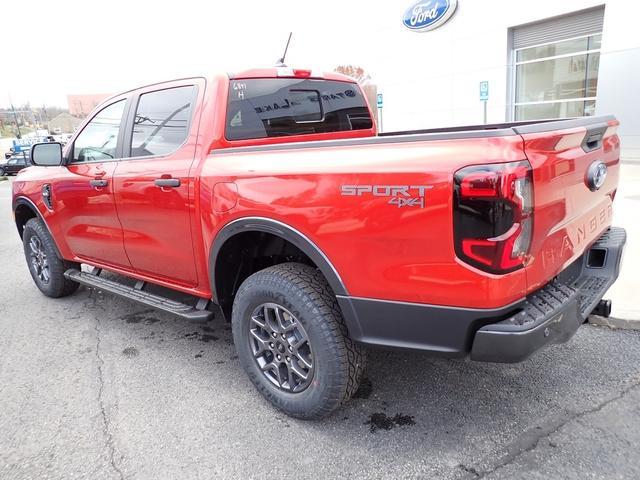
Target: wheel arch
236,230
23,211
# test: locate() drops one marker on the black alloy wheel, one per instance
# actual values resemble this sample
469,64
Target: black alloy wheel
293,343
280,346
45,266
38,259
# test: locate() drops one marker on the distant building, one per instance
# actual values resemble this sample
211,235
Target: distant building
82,105
64,123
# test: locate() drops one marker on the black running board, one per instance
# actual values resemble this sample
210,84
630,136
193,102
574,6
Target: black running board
137,294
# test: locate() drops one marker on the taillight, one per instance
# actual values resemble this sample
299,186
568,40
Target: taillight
296,73
493,215
300,73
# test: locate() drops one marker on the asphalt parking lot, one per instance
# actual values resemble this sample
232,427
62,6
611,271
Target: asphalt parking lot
92,386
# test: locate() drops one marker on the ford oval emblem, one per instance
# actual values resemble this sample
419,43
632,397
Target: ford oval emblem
596,175
425,15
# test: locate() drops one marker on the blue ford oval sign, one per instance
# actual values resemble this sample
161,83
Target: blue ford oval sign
425,15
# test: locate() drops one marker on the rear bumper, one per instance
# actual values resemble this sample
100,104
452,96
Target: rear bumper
554,313
508,334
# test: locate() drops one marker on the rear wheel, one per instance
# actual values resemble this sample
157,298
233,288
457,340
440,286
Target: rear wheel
1,172
293,343
47,270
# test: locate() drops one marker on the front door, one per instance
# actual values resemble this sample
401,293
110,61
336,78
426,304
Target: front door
153,184
83,193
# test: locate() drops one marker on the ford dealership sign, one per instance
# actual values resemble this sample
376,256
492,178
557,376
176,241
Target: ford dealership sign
425,15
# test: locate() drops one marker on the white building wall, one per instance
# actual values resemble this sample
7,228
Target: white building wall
438,82
619,74
431,79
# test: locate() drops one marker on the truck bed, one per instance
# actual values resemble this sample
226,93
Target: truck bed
541,126
446,133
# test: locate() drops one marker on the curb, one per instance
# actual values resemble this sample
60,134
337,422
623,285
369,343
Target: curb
613,322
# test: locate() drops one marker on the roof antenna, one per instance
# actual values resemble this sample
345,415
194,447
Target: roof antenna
280,63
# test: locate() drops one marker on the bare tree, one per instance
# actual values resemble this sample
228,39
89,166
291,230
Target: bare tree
354,72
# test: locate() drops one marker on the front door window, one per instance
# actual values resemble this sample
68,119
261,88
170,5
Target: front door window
98,139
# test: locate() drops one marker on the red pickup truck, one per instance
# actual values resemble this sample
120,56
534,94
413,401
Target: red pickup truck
270,193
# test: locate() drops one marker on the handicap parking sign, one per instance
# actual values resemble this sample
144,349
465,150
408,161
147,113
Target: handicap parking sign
484,91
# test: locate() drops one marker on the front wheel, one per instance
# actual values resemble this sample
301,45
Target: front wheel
293,343
1,172
47,270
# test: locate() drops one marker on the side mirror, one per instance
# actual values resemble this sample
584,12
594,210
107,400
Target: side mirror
47,154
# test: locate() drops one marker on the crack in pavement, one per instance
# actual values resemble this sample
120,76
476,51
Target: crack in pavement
530,440
105,419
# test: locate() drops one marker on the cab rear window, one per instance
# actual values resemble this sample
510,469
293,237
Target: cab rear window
278,107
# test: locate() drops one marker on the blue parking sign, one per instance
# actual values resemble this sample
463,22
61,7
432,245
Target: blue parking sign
379,100
484,91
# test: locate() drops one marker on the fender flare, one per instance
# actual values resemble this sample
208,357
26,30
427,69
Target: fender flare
279,229
32,206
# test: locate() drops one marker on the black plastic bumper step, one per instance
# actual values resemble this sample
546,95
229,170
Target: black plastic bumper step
132,293
596,279
554,313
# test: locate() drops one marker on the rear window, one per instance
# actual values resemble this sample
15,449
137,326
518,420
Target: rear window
278,107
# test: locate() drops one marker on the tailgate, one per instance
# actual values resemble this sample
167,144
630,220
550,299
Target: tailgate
575,177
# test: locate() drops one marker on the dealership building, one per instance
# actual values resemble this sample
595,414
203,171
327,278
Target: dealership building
518,60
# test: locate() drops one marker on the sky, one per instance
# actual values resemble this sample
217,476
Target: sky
52,49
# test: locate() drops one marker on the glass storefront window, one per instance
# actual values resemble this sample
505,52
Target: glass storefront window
593,63
553,49
557,79
594,42
549,75
537,111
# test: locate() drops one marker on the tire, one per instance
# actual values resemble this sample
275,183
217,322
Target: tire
305,299
46,268
1,172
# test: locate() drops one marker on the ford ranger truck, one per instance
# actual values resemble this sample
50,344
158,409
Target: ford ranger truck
270,194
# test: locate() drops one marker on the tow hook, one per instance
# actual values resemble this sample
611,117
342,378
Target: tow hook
603,309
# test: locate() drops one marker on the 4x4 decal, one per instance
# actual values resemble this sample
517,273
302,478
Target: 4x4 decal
399,195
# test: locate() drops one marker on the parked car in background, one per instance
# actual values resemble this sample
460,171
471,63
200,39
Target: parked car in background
62,138
15,163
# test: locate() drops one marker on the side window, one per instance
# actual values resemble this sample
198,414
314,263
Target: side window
99,138
161,123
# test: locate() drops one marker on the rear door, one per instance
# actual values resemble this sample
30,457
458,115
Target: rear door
575,177
154,182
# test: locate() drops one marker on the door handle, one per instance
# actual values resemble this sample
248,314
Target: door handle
98,183
167,182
